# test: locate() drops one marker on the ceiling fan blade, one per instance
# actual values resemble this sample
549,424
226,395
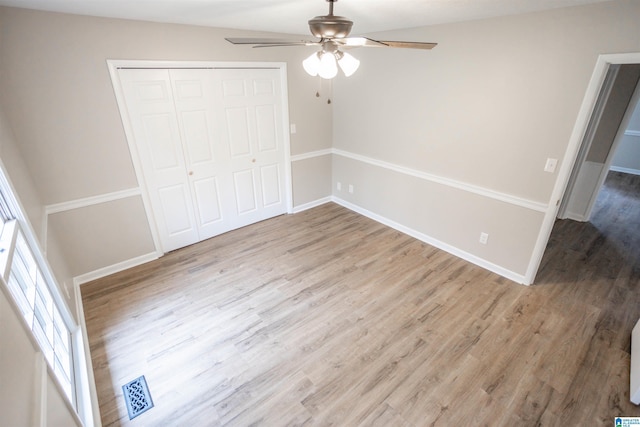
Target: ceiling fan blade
266,42
288,44
358,42
367,42
407,45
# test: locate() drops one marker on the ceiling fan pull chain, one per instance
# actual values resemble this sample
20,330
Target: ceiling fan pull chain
319,80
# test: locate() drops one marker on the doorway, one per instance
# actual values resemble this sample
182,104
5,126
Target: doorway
574,152
606,135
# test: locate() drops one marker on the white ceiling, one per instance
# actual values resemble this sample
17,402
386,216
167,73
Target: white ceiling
291,16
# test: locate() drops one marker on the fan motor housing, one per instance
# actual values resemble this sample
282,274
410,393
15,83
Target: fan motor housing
330,26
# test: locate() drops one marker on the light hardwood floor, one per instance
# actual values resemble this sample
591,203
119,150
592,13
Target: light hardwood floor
328,318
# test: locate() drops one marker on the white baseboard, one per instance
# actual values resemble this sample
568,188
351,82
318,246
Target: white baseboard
518,278
312,204
115,268
574,217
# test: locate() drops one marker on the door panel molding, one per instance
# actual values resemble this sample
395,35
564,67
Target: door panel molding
188,90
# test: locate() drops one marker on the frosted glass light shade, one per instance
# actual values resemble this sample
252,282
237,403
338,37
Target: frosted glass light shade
325,64
348,64
328,65
312,64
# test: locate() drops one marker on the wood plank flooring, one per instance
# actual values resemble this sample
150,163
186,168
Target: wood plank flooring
328,318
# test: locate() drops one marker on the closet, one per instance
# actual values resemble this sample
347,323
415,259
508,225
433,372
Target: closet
210,146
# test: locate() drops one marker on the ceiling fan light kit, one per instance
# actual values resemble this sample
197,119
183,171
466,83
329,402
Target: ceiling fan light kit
348,64
324,63
333,32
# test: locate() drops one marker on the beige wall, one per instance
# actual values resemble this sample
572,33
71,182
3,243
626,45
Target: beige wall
59,100
627,154
18,173
486,107
78,229
30,201
307,173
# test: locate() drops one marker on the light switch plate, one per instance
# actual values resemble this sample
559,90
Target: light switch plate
484,238
550,166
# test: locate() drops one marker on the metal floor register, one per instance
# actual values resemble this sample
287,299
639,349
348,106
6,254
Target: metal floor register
137,397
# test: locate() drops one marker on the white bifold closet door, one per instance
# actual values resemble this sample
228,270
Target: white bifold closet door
210,144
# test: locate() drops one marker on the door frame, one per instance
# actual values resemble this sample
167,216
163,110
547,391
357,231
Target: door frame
594,122
594,190
114,65
626,118
571,154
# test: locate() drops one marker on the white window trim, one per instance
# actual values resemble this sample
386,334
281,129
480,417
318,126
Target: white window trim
80,405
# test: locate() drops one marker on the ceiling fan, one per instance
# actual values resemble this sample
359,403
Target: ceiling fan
333,32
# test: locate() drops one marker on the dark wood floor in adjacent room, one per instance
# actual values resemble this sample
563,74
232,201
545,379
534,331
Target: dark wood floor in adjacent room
328,318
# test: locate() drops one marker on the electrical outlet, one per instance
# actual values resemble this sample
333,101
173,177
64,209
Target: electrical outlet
293,128
339,186
484,238
351,188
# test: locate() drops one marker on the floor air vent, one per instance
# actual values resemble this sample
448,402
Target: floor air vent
137,397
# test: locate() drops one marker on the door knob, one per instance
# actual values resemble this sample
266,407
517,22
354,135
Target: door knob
190,172
253,160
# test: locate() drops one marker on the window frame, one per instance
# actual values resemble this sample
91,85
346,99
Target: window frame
36,303
79,402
